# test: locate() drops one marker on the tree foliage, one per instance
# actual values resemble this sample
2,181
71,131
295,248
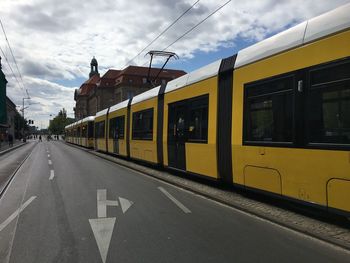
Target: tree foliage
20,122
58,123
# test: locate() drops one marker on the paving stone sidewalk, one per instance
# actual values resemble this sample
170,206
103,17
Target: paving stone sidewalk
5,147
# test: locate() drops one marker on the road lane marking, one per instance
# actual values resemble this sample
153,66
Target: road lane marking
125,204
48,155
103,229
103,226
52,174
180,205
102,203
16,213
50,162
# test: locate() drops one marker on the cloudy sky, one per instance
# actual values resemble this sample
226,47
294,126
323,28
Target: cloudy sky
54,40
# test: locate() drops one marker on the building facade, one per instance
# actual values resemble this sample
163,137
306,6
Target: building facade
3,111
7,111
115,86
11,113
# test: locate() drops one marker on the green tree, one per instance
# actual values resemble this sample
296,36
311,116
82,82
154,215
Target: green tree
58,123
19,124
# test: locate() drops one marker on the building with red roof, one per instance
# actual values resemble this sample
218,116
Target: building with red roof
98,93
81,95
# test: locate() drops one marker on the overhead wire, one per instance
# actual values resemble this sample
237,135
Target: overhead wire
8,63
162,33
13,57
198,24
195,26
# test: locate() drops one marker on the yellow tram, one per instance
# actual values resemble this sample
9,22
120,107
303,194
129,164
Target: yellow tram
275,117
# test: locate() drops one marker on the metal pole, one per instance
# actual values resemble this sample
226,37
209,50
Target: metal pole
23,119
149,71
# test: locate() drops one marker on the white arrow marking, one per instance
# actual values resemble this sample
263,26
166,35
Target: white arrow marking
125,204
102,203
52,174
102,229
16,213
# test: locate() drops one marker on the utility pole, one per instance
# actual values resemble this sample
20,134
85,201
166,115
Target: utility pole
27,98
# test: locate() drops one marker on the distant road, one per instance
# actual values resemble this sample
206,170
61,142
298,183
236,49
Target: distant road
66,205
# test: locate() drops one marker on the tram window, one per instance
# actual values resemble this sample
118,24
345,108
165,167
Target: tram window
112,125
142,125
329,106
198,124
100,129
83,131
116,127
329,74
90,129
268,115
120,123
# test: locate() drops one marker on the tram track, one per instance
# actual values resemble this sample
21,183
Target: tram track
4,186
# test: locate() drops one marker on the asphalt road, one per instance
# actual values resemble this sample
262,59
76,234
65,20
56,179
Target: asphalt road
66,205
10,161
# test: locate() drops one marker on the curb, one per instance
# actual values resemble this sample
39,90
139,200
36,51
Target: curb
165,176
12,148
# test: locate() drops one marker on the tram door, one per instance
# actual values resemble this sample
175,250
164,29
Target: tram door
177,136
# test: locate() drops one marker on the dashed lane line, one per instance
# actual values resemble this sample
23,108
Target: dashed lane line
50,162
180,205
52,174
16,213
48,155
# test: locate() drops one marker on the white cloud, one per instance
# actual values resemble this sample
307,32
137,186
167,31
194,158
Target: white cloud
54,40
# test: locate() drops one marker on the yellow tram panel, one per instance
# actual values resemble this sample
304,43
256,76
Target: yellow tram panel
339,193
304,172
201,158
145,150
121,142
100,143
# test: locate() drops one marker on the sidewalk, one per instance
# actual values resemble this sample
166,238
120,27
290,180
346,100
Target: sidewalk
4,146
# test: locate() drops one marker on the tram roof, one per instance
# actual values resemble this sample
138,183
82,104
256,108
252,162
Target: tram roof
318,27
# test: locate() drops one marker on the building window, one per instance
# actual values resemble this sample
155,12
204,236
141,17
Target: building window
268,111
116,127
142,125
118,97
328,105
100,129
